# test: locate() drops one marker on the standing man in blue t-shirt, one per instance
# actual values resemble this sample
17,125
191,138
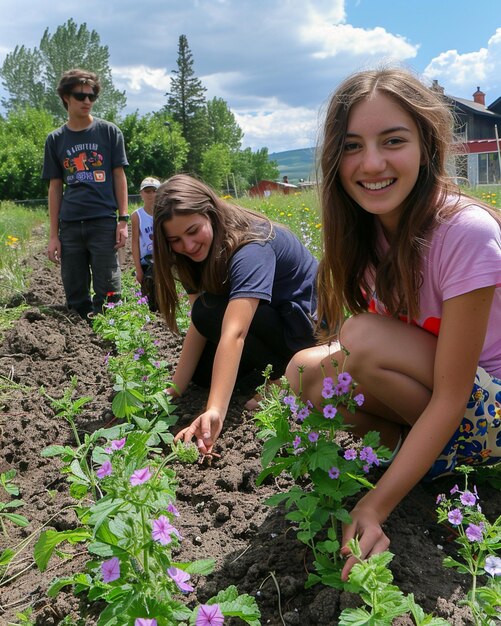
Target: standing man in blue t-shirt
84,162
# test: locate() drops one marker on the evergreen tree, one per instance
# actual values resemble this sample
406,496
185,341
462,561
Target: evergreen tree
31,76
186,105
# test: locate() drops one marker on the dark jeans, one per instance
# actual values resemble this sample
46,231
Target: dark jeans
88,253
265,343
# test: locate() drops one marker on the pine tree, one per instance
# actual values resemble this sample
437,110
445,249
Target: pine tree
187,105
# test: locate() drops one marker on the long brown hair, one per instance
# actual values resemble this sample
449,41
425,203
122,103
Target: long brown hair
232,226
349,234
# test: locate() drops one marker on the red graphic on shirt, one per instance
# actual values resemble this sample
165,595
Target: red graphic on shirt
430,324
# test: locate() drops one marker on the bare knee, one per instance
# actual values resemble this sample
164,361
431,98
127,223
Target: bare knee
361,337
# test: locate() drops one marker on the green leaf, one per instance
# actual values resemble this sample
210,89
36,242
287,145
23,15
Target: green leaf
50,539
57,451
19,520
354,617
6,557
202,566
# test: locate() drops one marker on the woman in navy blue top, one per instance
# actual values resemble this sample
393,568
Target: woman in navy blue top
251,284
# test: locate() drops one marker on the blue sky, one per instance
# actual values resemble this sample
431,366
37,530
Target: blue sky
275,62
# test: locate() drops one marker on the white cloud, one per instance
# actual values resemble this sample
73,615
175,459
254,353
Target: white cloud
278,127
334,39
465,72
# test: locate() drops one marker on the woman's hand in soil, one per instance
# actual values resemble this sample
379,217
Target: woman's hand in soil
366,527
205,429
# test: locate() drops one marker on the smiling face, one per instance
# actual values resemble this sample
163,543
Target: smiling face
381,158
190,235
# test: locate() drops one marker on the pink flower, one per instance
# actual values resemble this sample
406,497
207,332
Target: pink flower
209,615
162,530
110,569
140,476
455,517
145,621
172,509
181,578
474,532
105,470
116,444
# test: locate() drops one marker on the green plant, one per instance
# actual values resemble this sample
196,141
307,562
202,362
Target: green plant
372,580
479,544
6,507
313,446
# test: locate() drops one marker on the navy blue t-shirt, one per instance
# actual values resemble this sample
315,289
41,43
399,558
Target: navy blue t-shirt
281,272
84,160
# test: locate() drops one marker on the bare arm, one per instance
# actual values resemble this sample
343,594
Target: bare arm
206,427
54,198
135,246
121,195
462,334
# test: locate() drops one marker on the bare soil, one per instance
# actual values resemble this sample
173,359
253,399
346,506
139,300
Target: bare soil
223,514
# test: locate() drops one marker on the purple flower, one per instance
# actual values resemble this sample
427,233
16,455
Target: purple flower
209,615
110,569
440,498
366,469
468,498
359,399
350,455
313,436
105,470
474,532
327,392
145,621
163,529
340,389
454,490
140,476
493,565
455,517
290,401
172,509
334,473
330,411
180,577
297,442
328,382
303,414
344,379
368,454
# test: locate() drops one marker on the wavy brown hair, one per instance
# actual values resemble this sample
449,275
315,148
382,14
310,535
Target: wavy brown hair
232,226
349,234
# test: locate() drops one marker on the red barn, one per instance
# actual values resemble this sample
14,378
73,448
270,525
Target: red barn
265,188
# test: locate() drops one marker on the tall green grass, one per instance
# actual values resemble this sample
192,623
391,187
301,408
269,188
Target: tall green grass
21,232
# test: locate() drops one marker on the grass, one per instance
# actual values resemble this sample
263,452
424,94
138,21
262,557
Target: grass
21,231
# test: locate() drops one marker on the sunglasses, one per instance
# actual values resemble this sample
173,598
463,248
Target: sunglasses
80,96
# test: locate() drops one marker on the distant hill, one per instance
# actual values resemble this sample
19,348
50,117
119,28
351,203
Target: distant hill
296,164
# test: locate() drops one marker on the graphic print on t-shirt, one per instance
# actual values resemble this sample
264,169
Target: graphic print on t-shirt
84,163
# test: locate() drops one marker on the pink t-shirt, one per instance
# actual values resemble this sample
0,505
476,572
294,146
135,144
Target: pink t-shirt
464,254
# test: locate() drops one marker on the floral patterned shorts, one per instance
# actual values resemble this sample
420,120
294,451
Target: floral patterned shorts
477,441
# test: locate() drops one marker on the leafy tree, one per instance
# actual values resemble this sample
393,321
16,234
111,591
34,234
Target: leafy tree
187,106
153,149
22,139
216,166
251,167
31,76
223,128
